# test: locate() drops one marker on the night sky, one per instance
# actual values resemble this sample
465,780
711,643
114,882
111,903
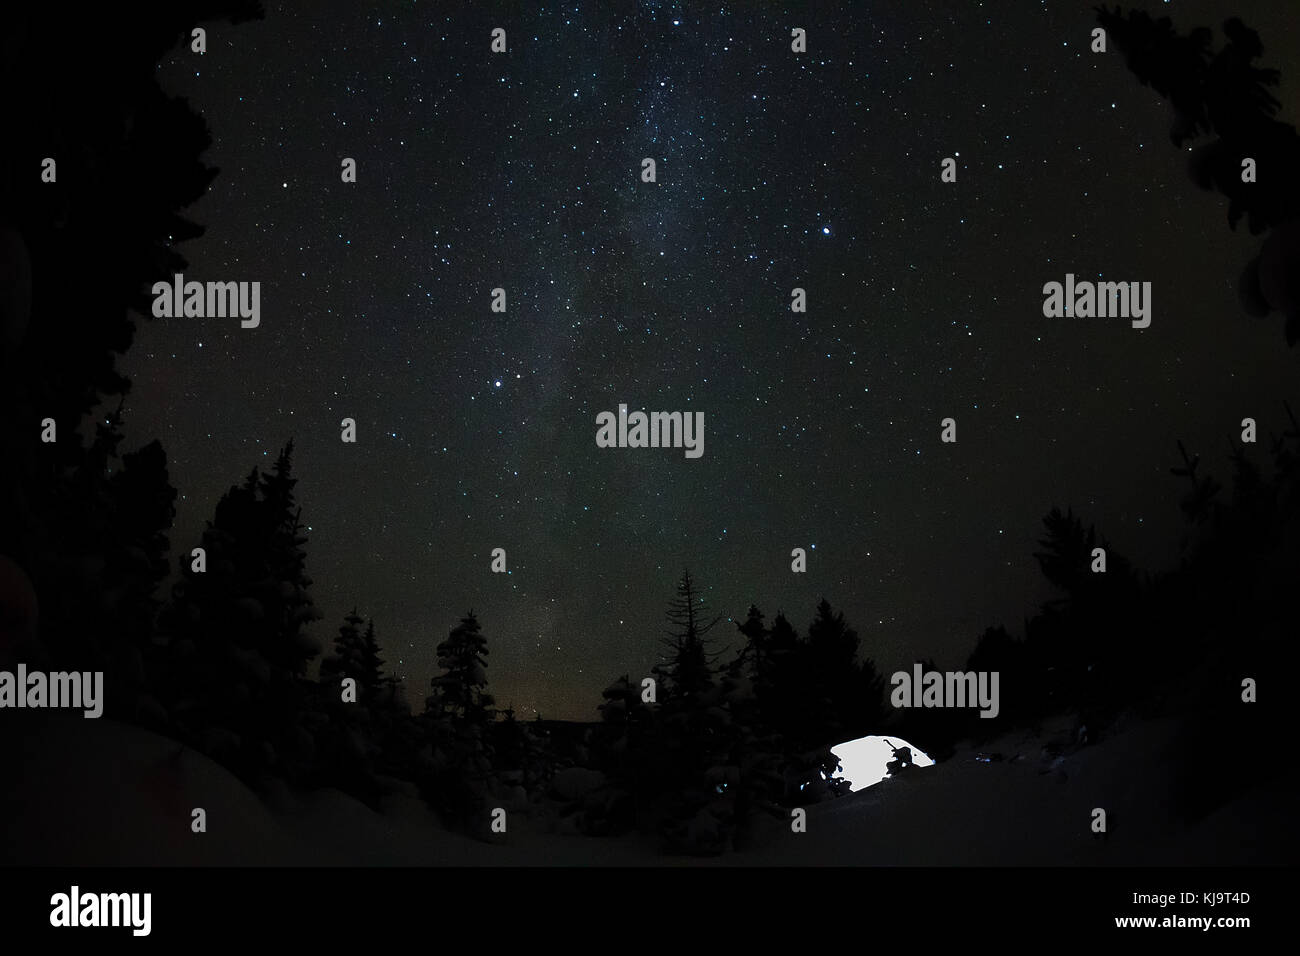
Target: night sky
822,430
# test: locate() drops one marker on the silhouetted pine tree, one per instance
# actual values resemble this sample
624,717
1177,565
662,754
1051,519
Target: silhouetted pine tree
238,641
346,740
1216,93
284,587
693,731
848,693
782,706
1088,638
108,541
88,527
363,746
457,716
754,660
777,698
1224,95
818,695
201,678
144,507
1231,608
1181,642
688,670
356,655
510,748
620,751
521,766
460,691
758,746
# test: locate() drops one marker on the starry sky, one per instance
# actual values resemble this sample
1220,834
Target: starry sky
820,170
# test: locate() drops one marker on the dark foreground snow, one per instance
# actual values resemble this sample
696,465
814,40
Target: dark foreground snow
94,792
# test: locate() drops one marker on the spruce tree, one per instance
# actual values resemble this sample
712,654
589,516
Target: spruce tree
832,648
693,731
620,746
346,660
460,692
688,670
754,659
458,715
361,738
285,587
372,663
237,629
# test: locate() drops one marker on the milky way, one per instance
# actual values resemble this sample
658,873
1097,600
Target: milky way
775,170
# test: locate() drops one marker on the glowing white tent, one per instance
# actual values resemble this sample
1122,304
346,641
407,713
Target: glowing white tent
863,761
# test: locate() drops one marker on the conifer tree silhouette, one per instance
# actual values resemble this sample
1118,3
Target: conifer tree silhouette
355,655
457,717
460,692
688,670
621,750
77,257
239,644
693,730
1223,95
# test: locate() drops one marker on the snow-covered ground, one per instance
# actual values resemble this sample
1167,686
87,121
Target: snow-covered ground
94,792
1037,810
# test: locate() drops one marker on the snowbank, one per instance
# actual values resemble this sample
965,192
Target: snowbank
94,792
